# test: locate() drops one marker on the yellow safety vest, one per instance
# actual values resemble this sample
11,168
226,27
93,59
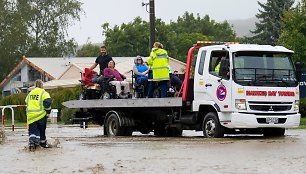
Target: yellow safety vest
159,64
35,108
217,68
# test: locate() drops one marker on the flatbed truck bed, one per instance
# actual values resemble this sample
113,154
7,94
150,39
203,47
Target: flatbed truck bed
125,103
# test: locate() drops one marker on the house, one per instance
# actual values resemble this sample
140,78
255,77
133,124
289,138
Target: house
64,72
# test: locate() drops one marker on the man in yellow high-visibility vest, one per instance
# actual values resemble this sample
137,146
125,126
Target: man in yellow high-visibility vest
38,106
159,66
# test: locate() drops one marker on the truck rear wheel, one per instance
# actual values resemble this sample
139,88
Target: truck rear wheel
211,126
274,132
112,126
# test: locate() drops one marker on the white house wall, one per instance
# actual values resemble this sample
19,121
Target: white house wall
25,73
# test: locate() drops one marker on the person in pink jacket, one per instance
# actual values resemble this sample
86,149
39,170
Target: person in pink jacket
111,72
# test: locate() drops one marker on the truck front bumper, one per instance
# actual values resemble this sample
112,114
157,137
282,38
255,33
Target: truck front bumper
243,120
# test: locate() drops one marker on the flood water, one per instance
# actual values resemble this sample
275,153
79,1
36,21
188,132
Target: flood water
88,151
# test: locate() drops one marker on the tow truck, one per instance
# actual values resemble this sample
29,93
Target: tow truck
255,90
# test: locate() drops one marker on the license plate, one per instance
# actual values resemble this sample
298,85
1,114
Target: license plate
271,120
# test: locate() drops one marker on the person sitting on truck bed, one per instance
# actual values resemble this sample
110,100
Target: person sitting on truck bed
111,72
174,81
141,70
102,60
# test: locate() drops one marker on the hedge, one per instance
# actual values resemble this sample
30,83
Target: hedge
58,96
303,107
15,99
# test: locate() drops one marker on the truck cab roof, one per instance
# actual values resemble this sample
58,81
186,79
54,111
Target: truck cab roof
250,47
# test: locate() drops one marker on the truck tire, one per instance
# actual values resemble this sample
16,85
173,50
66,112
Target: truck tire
274,132
211,126
112,126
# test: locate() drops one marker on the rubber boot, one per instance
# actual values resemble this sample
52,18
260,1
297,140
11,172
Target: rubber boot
44,145
32,147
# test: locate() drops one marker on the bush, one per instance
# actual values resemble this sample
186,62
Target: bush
58,95
303,107
15,99
67,114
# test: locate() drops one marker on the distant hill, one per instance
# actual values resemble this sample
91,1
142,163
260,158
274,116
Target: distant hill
243,26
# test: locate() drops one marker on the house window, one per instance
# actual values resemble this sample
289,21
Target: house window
34,74
17,76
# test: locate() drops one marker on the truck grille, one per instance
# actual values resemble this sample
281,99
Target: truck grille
273,106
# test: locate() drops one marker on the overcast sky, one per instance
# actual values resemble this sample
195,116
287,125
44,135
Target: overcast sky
117,12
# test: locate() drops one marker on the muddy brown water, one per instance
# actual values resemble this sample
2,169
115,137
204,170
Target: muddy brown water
88,151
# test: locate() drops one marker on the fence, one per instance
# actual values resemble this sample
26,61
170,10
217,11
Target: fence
12,109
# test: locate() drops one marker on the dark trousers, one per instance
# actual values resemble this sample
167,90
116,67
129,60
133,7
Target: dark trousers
163,87
175,81
144,82
37,131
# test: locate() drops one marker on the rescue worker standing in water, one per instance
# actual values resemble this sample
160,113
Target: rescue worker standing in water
38,106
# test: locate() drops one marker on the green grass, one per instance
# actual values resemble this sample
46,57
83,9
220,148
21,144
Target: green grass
303,121
8,123
301,127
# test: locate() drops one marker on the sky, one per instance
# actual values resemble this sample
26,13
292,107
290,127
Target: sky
117,12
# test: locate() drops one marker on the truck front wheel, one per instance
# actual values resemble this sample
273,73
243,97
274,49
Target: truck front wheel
211,126
112,126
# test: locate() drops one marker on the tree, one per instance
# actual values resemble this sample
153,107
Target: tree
88,50
177,37
182,43
214,31
13,36
270,18
35,28
128,39
293,33
48,22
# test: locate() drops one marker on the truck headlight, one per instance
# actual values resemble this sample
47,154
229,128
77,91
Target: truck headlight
240,104
296,105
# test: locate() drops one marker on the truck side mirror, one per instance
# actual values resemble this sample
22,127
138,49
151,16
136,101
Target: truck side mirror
298,68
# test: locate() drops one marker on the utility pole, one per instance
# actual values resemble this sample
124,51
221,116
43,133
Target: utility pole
152,21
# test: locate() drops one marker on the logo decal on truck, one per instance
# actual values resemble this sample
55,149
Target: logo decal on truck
221,92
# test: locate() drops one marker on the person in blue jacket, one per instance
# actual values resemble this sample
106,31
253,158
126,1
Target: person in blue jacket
141,70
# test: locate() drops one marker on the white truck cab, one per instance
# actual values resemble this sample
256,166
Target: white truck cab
255,86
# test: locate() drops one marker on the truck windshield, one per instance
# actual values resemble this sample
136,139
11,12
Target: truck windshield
263,69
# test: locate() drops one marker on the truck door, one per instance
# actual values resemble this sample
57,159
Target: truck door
217,78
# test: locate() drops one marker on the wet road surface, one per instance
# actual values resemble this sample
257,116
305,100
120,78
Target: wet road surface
88,151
